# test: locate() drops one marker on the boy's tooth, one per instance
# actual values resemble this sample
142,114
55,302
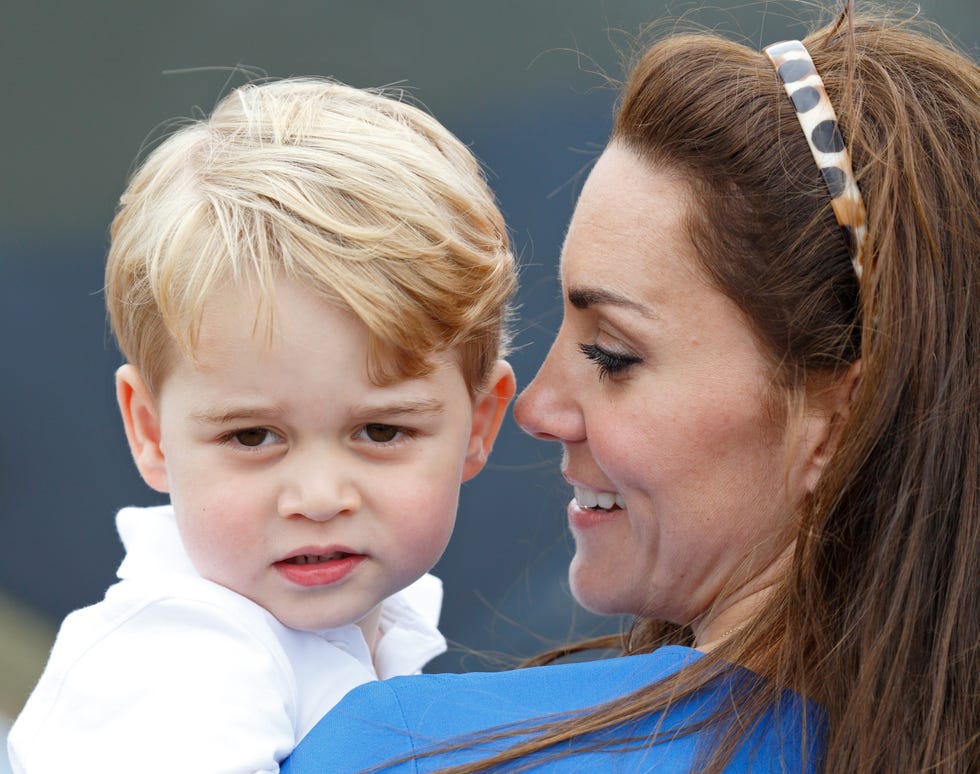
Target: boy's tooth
605,500
620,501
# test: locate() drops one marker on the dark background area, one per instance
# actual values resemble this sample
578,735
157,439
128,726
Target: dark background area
87,85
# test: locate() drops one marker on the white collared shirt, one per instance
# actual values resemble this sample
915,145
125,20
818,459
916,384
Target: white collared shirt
171,672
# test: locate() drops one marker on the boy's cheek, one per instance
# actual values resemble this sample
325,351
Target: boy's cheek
217,533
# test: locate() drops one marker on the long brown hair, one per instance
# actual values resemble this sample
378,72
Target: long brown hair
878,619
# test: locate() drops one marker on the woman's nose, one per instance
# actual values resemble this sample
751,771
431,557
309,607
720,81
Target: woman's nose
319,487
548,408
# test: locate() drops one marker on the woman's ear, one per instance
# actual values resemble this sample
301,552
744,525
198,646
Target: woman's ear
489,410
141,421
826,424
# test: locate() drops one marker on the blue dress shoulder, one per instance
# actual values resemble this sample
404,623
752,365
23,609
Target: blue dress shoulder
384,725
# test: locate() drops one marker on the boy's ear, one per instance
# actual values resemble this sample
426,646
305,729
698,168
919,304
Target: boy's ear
141,421
488,415
827,425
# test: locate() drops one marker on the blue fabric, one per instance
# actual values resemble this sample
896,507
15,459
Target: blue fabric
381,722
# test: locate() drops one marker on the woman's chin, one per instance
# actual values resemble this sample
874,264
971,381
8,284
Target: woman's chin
598,589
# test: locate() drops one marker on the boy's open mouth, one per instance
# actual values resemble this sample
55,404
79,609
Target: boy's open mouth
317,570
316,558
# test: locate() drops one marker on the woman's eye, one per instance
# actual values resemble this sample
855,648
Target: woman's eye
254,436
381,433
608,363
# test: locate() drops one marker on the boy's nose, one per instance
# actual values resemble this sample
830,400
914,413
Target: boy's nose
319,489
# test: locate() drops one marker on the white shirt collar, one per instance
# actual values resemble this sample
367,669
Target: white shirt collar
409,634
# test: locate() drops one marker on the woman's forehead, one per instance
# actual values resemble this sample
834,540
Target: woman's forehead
629,226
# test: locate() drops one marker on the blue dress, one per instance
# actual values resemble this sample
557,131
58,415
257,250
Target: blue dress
378,723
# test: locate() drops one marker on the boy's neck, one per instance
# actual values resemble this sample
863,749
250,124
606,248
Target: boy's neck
369,626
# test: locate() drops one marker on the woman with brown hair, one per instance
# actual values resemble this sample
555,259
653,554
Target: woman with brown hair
767,393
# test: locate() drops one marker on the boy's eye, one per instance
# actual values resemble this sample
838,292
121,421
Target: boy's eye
608,363
254,436
381,433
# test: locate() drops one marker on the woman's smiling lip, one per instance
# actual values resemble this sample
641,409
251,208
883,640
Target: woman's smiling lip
593,507
318,566
592,497
585,518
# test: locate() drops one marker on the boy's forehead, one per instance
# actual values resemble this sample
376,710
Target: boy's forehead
241,326
235,331
260,317
226,390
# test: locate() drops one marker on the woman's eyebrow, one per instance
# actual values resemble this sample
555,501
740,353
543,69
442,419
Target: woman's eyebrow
584,298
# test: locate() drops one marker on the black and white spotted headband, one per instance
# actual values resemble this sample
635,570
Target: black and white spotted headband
819,121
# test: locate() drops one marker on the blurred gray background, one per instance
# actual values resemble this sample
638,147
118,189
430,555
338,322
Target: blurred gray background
88,84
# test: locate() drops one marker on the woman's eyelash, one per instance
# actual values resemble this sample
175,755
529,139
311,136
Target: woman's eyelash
608,363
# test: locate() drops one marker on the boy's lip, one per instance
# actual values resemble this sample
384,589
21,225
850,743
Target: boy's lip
318,565
313,554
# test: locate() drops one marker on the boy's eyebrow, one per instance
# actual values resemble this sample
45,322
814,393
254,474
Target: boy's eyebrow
226,416
221,416
402,407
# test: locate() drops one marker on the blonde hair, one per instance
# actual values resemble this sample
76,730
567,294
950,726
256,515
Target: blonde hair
367,200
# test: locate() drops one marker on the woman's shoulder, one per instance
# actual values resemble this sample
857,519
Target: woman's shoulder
382,722
554,688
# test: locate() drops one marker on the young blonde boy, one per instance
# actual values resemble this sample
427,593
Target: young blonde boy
310,289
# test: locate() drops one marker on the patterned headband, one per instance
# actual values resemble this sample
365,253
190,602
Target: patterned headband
819,121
